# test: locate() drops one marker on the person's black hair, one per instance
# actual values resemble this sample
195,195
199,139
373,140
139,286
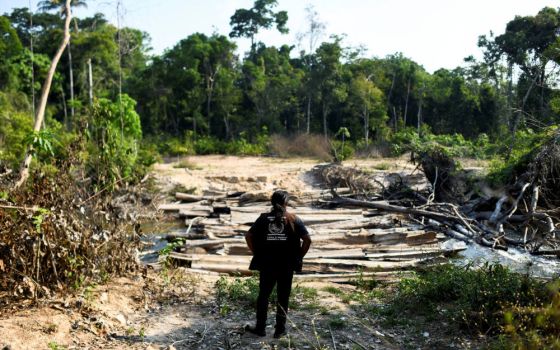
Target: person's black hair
279,200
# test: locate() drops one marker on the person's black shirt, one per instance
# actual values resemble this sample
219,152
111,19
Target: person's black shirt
277,242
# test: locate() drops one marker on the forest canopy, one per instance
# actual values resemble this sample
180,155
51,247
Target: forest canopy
201,91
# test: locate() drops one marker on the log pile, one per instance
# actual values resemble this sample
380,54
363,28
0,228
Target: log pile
524,214
346,242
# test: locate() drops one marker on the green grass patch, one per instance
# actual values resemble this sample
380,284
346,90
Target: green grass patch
338,322
182,189
519,310
241,292
382,166
186,164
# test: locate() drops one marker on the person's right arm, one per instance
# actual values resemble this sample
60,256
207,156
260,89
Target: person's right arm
249,240
304,235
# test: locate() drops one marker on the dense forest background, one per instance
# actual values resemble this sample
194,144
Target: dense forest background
200,97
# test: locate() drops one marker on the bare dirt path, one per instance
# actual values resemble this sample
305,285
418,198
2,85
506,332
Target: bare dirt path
173,309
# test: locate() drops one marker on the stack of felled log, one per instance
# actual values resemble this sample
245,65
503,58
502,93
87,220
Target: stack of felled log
346,242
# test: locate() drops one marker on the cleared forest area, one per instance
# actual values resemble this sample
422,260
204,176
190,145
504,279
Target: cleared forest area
129,179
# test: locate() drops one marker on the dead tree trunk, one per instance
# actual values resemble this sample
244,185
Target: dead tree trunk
24,171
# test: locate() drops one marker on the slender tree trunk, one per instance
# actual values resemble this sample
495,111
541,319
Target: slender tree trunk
90,82
542,82
308,114
395,119
366,125
24,171
64,107
226,124
210,80
419,115
510,96
325,110
406,103
390,105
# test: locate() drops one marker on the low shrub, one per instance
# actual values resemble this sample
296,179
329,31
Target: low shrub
69,239
455,145
490,299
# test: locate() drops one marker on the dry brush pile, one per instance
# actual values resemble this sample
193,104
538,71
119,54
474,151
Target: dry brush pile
58,235
460,204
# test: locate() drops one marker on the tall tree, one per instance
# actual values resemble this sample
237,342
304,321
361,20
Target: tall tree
247,22
315,31
24,171
58,5
327,75
367,100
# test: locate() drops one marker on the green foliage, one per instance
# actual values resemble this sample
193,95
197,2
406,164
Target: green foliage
338,322
244,291
179,242
239,292
476,298
189,145
527,142
55,346
407,140
115,132
41,141
342,150
15,126
242,147
248,22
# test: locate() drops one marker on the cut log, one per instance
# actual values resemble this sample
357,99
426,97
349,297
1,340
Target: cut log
240,263
349,277
252,197
299,210
354,265
190,198
194,213
355,223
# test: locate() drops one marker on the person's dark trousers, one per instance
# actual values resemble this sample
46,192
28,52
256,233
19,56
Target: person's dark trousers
283,281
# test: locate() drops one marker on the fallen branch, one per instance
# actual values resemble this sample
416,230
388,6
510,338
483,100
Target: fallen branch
394,208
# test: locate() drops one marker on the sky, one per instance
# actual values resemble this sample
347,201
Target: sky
434,33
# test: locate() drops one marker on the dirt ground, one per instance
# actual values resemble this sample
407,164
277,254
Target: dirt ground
171,309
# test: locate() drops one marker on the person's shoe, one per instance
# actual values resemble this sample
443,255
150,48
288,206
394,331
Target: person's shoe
255,330
279,332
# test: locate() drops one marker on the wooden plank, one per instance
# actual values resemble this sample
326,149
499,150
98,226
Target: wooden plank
299,210
184,213
234,269
421,237
364,264
350,276
241,262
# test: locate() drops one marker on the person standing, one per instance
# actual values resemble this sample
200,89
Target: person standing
278,241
